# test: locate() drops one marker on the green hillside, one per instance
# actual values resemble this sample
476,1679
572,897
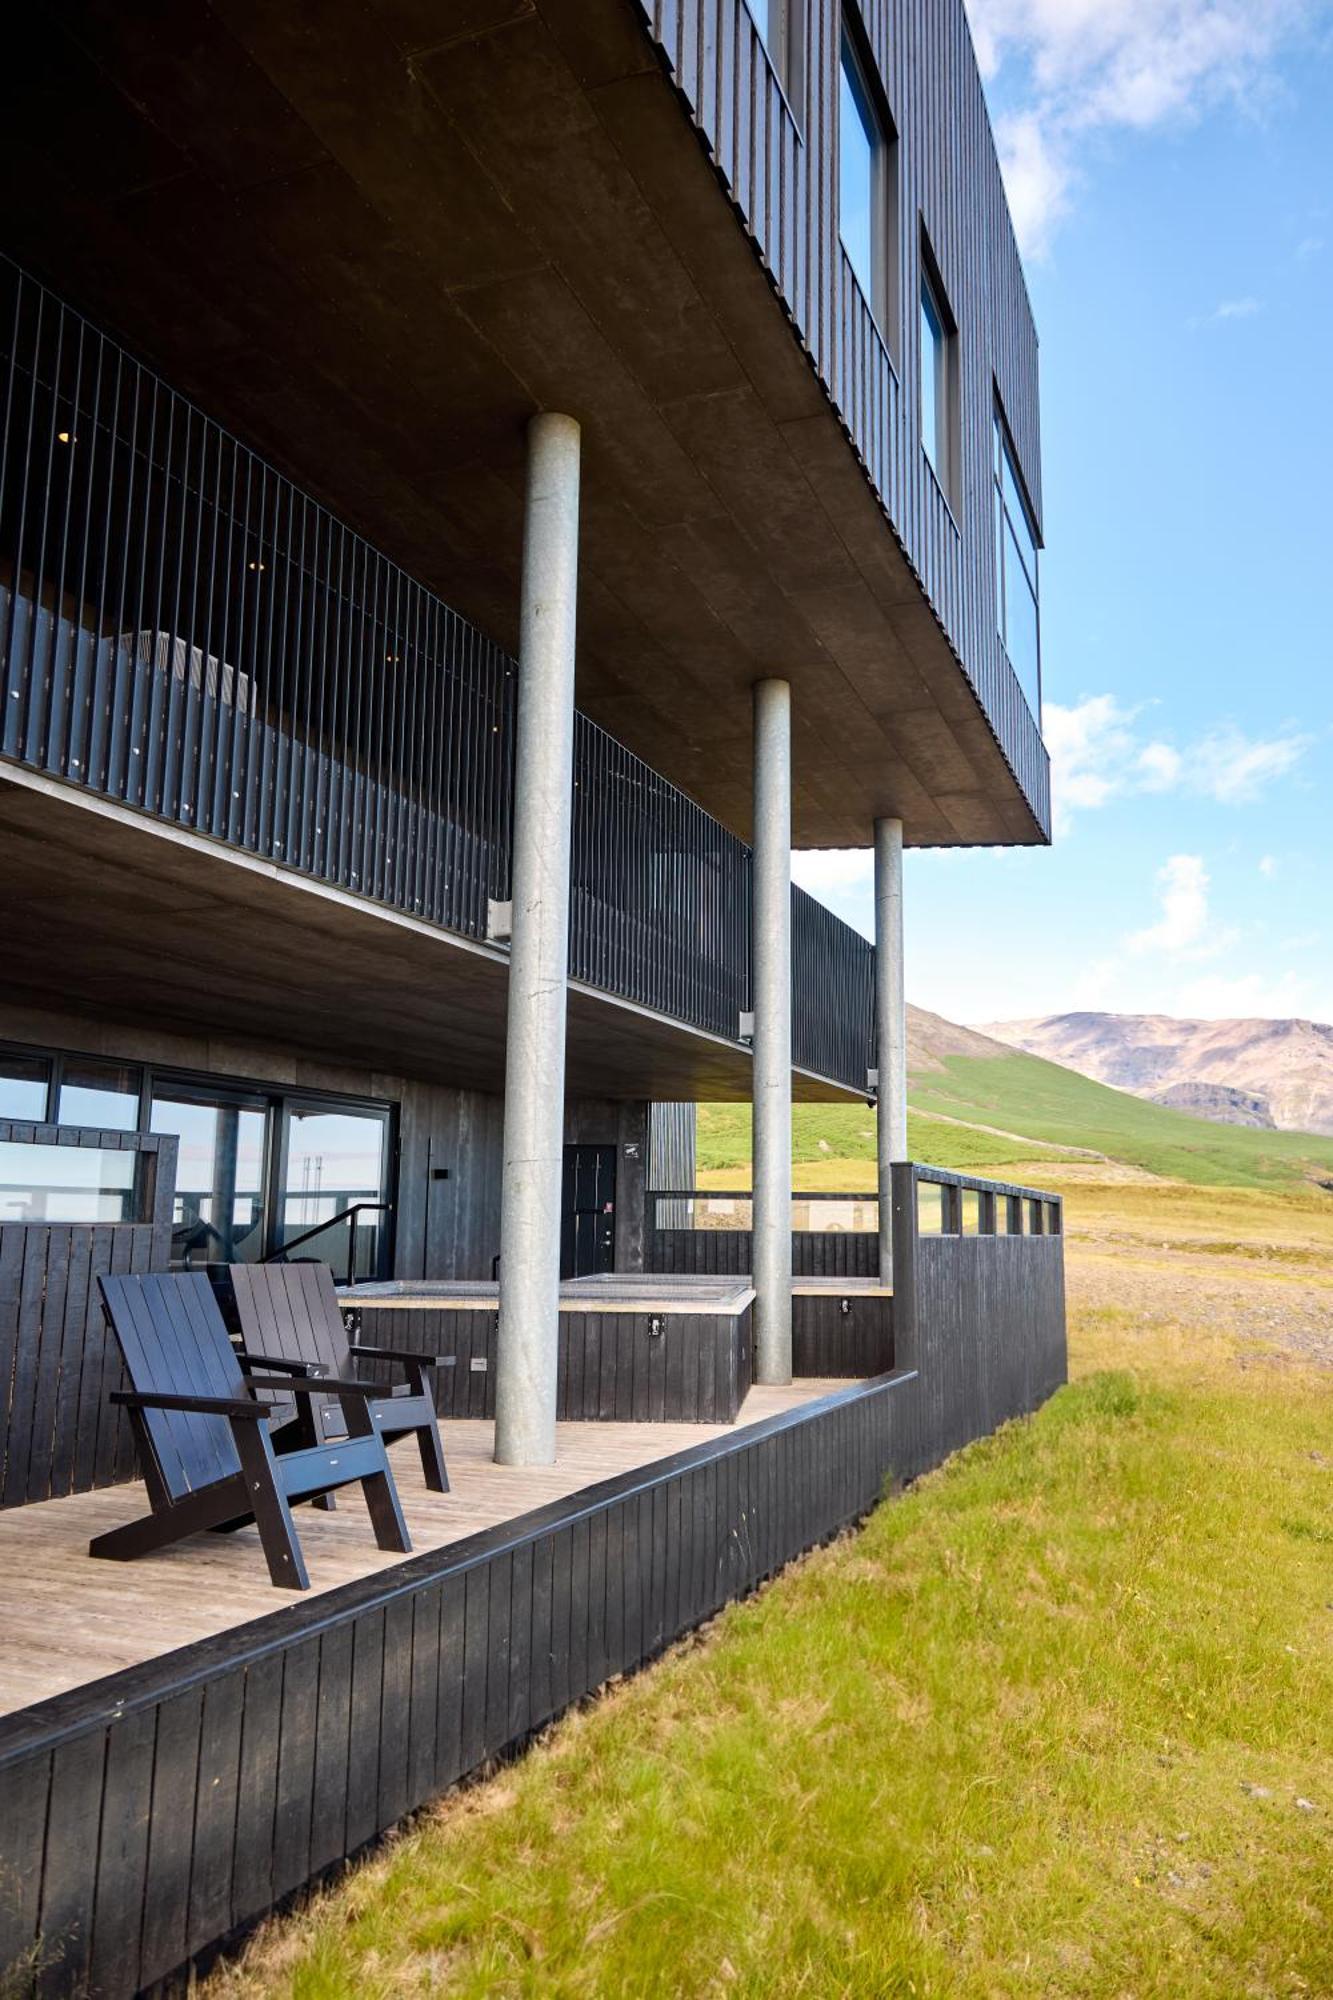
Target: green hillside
847,1132
1042,1100
1057,1113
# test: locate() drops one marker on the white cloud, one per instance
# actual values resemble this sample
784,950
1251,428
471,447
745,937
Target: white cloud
1234,769
1218,996
1096,66
834,871
1267,867
842,877
1182,884
1098,754
1238,309
1308,247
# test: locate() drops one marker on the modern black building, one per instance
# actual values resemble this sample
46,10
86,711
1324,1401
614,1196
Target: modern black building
378,381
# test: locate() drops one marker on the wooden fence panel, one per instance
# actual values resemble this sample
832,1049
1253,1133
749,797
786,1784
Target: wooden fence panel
59,1431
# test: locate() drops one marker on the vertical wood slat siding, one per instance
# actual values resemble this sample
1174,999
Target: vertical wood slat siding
830,1343
979,1317
151,1818
611,1367
778,163
59,1431
726,1253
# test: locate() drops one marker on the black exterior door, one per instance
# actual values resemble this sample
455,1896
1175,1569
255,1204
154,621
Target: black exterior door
588,1217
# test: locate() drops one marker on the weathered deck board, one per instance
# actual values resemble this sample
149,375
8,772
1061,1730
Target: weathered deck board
68,1619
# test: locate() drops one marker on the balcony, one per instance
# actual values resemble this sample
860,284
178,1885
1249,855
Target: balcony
186,634
602,209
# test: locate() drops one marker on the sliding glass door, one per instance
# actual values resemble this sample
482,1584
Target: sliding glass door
334,1160
220,1173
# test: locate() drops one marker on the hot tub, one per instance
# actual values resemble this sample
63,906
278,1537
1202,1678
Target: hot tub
634,1348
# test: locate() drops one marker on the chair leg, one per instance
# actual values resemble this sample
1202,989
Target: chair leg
386,1516
273,1516
433,1468
172,1520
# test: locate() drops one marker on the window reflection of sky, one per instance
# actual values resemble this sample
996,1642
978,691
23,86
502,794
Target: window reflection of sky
856,170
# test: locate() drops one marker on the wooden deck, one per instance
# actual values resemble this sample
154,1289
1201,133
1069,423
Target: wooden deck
67,1620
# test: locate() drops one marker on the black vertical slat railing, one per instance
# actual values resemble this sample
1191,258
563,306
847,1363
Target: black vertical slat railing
659,891
833,994
186,632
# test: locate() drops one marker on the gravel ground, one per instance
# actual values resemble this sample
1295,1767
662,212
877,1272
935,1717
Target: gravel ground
1269,1306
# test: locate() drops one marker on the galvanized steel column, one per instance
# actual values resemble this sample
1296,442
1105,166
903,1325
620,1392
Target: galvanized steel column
771,999
890,1024
529,1325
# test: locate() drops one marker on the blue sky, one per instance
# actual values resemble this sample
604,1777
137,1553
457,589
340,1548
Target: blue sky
1170,163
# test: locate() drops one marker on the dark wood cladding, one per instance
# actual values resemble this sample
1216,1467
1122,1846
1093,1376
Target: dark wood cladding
836,1335
826,1339
622,1367
159,1812
980,1317
59,1432
778,160
726,1253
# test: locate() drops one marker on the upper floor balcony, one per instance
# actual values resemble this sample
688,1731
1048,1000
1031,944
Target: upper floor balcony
383,237
185,634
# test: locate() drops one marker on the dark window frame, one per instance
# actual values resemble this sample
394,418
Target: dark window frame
884,297
1002,443
780,26
247,1093
946,460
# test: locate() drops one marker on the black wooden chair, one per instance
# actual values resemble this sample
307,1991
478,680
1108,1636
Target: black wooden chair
288,1317
208,1457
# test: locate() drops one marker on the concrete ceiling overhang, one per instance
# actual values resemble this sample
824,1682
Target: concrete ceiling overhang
373,236
105,911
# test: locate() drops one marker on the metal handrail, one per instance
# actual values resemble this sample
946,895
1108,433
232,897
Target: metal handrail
279,1256
747,1194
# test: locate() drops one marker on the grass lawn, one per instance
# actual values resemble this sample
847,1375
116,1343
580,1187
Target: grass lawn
1057,1722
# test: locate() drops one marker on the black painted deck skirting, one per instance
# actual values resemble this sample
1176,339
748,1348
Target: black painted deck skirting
616,1367
161,1811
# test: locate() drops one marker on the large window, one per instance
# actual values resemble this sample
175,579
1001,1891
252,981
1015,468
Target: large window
867,188
779,25
334,1163
105,1094
939,379
1017,595
256,1167
25,1087
220,1172
68,1184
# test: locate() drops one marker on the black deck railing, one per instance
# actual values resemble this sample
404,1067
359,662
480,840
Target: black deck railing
184,631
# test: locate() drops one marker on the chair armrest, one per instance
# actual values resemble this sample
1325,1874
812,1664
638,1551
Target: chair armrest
404,1354
203,1406
249,1359
319,1385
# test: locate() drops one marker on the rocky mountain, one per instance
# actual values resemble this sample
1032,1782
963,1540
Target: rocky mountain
1268,1073
930,1038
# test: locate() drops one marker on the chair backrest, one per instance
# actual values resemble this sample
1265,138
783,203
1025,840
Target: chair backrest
173,1341
291,1311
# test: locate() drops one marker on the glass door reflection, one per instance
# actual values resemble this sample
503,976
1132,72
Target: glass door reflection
332,1162
218,1216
